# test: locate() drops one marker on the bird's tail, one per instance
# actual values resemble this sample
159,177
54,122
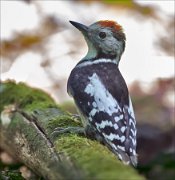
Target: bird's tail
133,160
126,159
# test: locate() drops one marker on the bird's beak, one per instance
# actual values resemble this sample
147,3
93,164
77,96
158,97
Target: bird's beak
81,27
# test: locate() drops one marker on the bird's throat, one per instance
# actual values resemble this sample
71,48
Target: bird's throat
92,50
95,53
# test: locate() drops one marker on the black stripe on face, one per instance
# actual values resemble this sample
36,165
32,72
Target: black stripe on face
102,55
120,36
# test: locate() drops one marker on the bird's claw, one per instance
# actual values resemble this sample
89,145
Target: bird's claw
76,117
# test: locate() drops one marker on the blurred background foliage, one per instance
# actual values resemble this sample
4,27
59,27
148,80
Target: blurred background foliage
59,47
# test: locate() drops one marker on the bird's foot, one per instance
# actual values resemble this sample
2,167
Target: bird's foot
92,134
76,117
75,130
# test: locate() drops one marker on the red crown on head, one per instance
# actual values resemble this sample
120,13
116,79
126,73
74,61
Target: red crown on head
111,24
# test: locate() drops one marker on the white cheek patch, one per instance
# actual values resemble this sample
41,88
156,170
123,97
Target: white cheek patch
103,100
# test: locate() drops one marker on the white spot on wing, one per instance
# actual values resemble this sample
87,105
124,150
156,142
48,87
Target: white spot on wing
133,132
123,129
118,118
116,126
119,156
103,99
94,104
93,112
90,119
134,152
111,137
112,145
103,124
131,121
121,148
89,89
122,139
133,140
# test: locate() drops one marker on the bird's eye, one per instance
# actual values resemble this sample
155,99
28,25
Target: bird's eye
102,35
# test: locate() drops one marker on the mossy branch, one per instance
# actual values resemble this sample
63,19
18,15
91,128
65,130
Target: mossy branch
29,116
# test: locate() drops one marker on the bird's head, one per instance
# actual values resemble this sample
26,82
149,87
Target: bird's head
105,39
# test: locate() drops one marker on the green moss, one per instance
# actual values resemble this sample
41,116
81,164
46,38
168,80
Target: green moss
11,175
64,120
24,97
96,161
93,157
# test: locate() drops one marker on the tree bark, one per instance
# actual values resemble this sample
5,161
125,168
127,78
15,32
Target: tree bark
28,118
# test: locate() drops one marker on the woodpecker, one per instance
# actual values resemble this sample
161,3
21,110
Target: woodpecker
100,92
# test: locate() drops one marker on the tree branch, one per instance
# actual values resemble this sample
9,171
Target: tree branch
28,118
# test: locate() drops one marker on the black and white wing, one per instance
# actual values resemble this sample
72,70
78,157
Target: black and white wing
110,113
